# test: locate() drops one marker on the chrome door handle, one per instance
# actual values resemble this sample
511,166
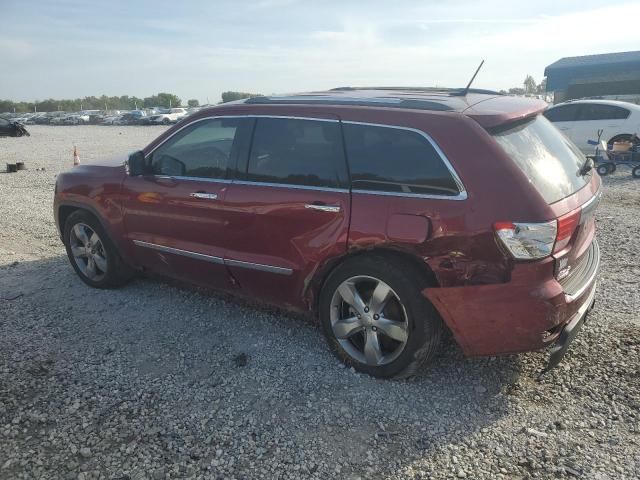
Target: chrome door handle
204,196
323,208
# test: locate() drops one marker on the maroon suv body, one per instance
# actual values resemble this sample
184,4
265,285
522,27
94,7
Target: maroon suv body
473,203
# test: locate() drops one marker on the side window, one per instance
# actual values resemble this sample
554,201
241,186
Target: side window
595,111
564,113
395,160
295,152
204,149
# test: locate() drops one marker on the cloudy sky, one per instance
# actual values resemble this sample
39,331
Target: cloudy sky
197,49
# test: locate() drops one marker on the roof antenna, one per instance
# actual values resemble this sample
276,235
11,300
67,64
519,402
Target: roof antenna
466,89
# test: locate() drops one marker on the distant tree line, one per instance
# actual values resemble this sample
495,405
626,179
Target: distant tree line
124,102
530,87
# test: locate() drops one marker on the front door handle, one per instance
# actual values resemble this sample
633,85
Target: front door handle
204,196
322,207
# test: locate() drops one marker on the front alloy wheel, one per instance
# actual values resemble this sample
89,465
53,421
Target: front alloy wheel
88,252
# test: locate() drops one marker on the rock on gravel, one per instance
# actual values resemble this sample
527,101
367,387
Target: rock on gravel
162,381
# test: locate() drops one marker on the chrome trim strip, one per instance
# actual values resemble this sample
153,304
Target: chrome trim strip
591,279
258,266
202,179
204,196
177,251
463,192
413,195
216,260
286,185
323,208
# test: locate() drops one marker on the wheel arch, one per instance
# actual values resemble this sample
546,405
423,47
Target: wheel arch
318,279
64,210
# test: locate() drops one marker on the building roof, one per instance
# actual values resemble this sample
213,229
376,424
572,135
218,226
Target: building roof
570,70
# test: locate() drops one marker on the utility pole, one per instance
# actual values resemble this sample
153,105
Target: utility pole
169,102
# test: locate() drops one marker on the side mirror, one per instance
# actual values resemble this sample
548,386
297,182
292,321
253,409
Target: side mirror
136,164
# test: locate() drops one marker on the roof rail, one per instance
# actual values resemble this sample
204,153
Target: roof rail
449,91
410,103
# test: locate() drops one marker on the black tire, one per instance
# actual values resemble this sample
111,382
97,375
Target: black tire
636,172
612,167
603,169
424,323
166,121
117,272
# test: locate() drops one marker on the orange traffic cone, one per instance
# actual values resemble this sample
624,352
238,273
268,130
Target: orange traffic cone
76,157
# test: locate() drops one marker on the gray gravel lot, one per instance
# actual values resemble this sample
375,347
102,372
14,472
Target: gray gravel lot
158,381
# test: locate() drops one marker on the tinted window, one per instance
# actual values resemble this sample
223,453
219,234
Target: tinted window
564,113
594,111
201,150
395,160
548,159
4,122
299,152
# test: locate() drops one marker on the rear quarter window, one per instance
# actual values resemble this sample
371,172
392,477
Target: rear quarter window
549,160
392,159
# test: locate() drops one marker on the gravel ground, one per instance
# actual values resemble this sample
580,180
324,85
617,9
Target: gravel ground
158,381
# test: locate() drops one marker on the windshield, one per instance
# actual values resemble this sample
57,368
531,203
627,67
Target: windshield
550,161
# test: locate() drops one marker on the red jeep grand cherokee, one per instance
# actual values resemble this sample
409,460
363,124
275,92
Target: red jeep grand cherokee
392,213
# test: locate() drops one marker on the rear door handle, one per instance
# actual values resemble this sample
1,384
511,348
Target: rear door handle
204,196
322,207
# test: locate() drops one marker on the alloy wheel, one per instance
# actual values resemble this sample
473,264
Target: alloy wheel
369,320
88,252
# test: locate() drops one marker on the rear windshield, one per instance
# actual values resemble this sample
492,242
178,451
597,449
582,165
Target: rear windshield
550,161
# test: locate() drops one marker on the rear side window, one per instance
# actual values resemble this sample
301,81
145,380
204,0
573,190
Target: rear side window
548,159
296,152
595,111
564,113
397,160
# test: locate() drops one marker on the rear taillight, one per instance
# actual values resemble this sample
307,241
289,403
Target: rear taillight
527,241
566,226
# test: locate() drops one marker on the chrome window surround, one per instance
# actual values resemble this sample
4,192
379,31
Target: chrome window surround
212,259
462,195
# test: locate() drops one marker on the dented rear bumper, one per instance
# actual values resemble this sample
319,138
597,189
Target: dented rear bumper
530,312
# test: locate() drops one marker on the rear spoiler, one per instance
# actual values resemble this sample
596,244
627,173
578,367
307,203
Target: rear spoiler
498,111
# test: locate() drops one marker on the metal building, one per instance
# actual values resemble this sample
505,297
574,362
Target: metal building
610,75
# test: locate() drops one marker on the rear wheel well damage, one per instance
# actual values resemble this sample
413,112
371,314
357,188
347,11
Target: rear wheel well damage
316,281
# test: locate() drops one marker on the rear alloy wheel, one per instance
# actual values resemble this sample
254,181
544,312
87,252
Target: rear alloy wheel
377,320
91,253
372,331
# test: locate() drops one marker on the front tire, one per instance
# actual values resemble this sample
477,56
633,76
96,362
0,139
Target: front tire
636,172
92,253
376,319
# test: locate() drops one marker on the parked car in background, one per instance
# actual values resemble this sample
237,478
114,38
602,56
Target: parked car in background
11,128
389,213
580,120
75,119
173,115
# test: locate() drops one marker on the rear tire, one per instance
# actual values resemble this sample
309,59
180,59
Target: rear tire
92,254
636,172
393,330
